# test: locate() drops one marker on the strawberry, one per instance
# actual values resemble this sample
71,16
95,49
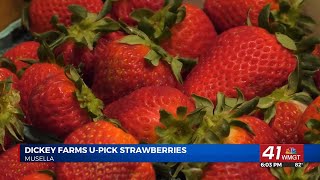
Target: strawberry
41,12
75,41
228,123
78,56
170,26
239,171
241,136
37,176
199,30
282,110
122,9
256,64
102,132
285,123
62,103
138,112
228,14
24,51
11,127
33,76
12,168
308,171
124,69
309,125
5,73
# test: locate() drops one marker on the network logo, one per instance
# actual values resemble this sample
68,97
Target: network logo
291,151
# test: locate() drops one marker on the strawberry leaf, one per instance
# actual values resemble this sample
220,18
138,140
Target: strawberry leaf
10,113
176,67
302,97
313,124
203,103
264,17
153,58
107,6
286,41
140,14
181,112
8,64
270,113
84,95
246,108
133,40
79,13
220,103
181,15
294,79
242,125
249,23
265,102
34,135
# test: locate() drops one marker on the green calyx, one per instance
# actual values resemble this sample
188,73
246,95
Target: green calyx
288,20
10,112
8,64
85,30
267,104
157,25
293,31
156,53
178,130
216,125
297,173
313,133
205,125
86,27
84,95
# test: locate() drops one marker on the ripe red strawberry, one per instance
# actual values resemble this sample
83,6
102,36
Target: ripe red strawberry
59,105
193,36
122,9
286,121
33,76
122,68
78,56
139,111
12,168
102,132
40,12
232,13
239,171
263,133
23,51
282,110
5,73
37,176
309,124
246,57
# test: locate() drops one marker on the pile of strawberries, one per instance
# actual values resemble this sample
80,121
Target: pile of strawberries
140,71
